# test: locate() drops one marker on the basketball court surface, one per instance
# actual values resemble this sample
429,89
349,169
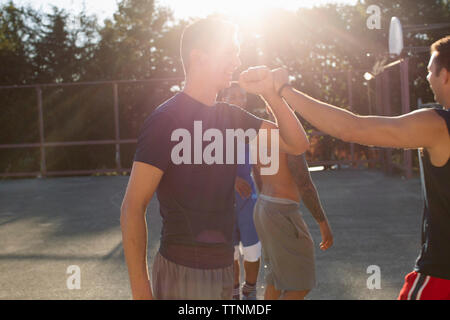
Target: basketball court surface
47,225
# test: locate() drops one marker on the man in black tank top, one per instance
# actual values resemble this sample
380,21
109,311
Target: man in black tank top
427,129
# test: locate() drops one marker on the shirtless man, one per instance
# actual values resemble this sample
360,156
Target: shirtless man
288,248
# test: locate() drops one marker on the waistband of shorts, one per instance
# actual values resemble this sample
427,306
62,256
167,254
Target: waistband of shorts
198,257
277,200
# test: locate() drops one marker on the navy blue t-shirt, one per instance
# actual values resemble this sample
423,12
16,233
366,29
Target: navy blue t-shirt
196,200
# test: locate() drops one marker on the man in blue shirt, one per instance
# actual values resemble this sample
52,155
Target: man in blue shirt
245,237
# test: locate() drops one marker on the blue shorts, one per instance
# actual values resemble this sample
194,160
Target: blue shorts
244,229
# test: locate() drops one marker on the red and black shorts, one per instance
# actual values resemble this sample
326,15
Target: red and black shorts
422,287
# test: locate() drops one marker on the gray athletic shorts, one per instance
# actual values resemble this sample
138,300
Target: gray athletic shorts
287,245
171,281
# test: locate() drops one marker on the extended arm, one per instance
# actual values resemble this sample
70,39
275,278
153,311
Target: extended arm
421,128
143,182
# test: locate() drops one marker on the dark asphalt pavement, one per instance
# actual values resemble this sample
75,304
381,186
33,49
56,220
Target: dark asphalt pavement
47,225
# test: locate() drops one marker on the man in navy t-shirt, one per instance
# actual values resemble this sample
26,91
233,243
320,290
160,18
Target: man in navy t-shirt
187,153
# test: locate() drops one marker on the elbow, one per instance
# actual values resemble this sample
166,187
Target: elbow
305,146
301,147
131,211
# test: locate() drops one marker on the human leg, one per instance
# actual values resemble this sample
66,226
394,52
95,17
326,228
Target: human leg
287,246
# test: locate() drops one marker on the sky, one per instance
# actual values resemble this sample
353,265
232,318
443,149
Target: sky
182,8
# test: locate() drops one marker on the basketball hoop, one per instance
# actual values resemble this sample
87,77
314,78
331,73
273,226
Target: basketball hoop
395,37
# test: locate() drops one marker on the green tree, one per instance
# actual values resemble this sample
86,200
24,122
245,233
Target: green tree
64,46
15,54
134,43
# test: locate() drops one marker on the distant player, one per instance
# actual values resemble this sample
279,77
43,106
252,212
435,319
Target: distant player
245,238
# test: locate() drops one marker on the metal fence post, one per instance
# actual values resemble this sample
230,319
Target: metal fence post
379,111
116,125
43,165
387,112
350,104
404,80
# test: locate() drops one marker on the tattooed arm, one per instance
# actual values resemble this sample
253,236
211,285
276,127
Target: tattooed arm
300,173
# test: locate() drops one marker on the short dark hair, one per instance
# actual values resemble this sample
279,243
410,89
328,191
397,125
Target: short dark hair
442,48
204,34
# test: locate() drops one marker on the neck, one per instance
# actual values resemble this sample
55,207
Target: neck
200,89
445,97
446,103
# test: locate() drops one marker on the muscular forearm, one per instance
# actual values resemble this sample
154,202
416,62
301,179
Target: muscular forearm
311,200
337,122
291,130
134,238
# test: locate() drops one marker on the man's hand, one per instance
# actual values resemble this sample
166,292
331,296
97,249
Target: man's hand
242,187
257,80
143,291
327,235
280,76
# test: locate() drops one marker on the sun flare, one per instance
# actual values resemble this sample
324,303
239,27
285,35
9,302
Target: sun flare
233,8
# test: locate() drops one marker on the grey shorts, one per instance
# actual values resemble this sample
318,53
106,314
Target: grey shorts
171,281
287,245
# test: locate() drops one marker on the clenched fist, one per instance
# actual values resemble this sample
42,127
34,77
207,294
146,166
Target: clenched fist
257,80
261,80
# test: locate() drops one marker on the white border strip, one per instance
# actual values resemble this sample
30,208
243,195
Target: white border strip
413,287
427,279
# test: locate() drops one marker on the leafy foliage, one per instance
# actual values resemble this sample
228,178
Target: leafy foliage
327,49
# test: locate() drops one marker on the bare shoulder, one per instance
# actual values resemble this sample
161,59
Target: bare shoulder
440,150
427,117
426,125
434,122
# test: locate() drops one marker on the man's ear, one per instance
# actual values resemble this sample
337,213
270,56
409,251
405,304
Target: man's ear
445,75
197,57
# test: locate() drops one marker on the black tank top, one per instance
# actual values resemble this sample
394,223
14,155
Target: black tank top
434,259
